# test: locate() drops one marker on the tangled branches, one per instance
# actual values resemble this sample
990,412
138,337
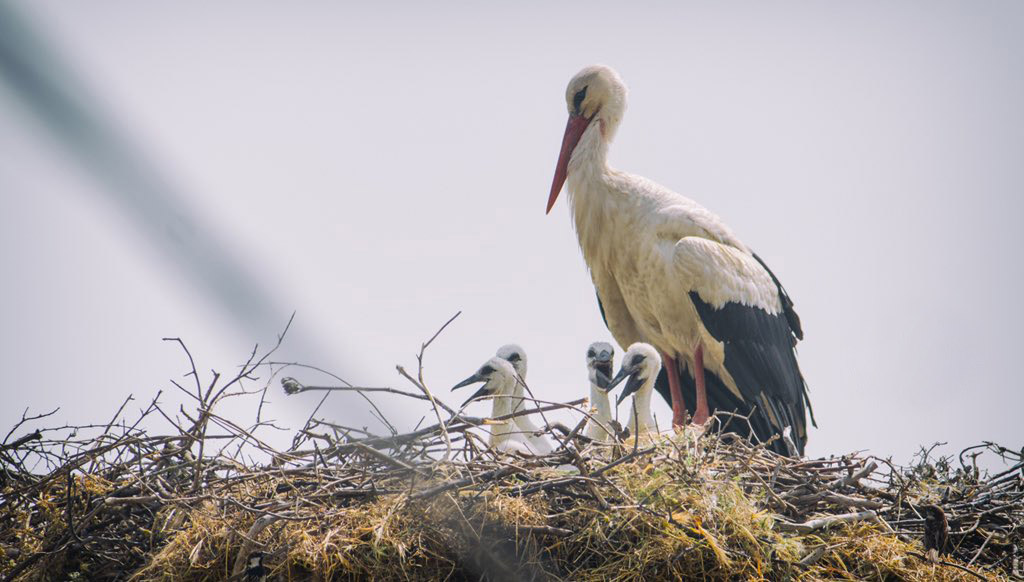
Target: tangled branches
209,499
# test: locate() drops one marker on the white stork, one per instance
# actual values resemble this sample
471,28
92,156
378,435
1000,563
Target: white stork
641,365
499,378
670,273
599,371
516,355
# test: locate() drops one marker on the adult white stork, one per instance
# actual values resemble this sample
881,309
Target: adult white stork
641,365
670,273
599,372
499,380
516,355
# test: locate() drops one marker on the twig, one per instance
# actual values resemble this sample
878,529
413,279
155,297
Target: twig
485,477
826,522
950,564
18,442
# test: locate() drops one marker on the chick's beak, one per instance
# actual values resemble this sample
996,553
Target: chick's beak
602,374
475,378
483,391
635,381
471,380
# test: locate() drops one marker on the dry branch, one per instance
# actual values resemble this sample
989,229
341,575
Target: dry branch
201,501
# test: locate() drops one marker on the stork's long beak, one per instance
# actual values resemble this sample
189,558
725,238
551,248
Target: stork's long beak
573,131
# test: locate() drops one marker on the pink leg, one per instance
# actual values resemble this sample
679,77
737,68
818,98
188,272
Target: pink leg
700,415
678,404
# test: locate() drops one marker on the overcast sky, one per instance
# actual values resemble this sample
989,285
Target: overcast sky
378,168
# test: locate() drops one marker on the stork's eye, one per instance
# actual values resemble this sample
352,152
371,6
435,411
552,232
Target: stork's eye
591,354
578,98
637,360
513,357
486,371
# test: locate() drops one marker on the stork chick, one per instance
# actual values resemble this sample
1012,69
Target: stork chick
516,355
500,378
640,365
599,371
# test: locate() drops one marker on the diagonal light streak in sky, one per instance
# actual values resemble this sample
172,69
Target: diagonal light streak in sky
62,104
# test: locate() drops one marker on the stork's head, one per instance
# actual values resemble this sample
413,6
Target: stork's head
515,355
596,98
599,364
496,374
641,365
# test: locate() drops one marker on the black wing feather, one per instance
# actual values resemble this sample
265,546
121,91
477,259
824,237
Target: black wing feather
787,303
760,358
794,323
720,399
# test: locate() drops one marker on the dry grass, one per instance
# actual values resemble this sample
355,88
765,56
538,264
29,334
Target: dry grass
126,504
683,510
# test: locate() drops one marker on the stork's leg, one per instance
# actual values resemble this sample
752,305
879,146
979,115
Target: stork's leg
701,414
678,404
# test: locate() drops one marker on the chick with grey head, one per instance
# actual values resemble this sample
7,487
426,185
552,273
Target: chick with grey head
599,372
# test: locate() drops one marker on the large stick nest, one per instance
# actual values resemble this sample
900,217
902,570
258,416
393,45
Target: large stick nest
116,502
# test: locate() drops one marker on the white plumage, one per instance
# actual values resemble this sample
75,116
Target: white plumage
499,382
670,273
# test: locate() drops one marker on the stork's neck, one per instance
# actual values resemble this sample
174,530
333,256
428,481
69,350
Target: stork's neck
589,159
602,415
502,405
524,422
518,395
641,412
599,400
596,207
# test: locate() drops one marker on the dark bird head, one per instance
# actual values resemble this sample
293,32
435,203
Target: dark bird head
640,366
599,364
496,374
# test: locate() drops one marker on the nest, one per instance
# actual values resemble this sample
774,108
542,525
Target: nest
115,502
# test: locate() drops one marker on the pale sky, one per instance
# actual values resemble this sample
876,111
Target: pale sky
378,168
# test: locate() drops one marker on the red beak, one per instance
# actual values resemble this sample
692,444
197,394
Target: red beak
573,131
